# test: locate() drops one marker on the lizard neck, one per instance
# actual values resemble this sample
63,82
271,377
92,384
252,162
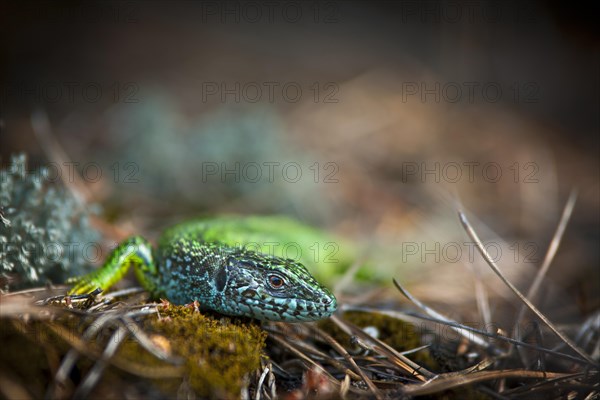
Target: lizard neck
192,270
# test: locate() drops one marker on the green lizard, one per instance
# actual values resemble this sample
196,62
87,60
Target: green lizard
211,261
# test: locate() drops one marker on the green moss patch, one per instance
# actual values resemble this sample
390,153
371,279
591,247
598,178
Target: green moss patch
217,352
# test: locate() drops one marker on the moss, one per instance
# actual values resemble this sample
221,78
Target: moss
217,352
132,351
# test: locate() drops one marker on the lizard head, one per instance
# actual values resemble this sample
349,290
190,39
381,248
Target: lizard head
272,288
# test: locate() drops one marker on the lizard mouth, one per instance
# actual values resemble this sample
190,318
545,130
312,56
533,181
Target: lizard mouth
290,310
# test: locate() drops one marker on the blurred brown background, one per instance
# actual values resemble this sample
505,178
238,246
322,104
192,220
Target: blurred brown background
360,92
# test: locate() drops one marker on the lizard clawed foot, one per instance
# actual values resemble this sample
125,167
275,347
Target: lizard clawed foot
83,285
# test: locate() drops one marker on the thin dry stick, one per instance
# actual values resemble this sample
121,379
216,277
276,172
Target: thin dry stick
340,349
489,335
416,318
552,249
96,371
376,345
473,235
481,294
10,387
474,338
147,343
593,395
260,383
577,381
73,354
309,360
139,369
483,304
300,345
444,382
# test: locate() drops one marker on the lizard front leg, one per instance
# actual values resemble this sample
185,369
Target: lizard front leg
135,251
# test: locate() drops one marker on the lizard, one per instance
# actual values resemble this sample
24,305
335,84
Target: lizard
191,264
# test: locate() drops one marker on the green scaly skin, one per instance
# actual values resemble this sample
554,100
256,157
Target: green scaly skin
227,276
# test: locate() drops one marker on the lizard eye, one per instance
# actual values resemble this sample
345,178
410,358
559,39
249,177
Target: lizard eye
275,281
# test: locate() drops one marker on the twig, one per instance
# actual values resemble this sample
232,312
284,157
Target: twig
398,359
147,343
96,371
445,382
308,348
480,332
473,235
340,349
469,336
550,254
310,361
260,382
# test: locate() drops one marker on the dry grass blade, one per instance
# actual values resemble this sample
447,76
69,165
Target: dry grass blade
588,332
445,382
414,317
467,334
340,349
306,347
33,291
551,384
483,304
473,235
548,258
95,373
286,344
398,359
481,294
142,370
73,354
10,388
261,380
147,343
494,336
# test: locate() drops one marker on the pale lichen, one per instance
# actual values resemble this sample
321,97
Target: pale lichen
44,230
